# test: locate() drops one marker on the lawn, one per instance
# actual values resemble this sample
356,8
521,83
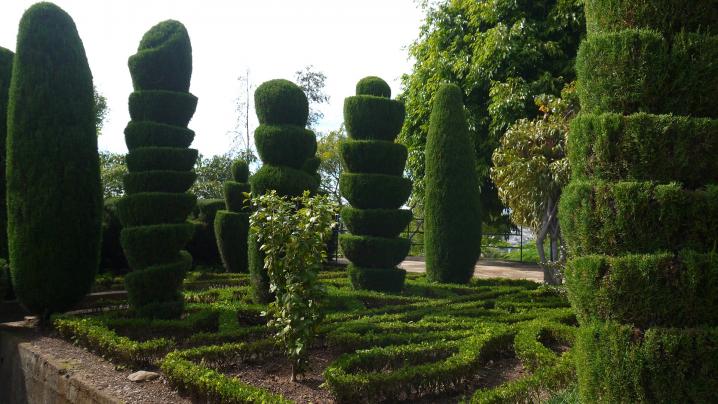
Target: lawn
489,341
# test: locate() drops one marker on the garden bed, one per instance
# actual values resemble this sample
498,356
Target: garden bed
489,341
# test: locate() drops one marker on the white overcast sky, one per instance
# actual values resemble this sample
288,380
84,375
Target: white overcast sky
346,40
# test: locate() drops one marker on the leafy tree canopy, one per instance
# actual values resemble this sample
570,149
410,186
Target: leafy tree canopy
330,168
501,53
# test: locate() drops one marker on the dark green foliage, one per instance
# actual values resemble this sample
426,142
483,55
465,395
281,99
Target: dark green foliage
638,217
232,230
668,16
284,145
619,363
374,157
152,134
281,102
240,171
160,106
374,252
639,71
389,280
234,198
646,290
452,218
368,117
644,147
159,181
112,257
286,181
373,85
6,57
258,276
165,44
203,245
376,222
374,191
161,158
156,206
54,195
149,208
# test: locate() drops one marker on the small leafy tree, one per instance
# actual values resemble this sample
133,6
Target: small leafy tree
292,233
329,152
531,169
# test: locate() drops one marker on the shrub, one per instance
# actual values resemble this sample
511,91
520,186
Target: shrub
156,207
231,226
452,222
287,152
203,245
6,57
54,195
372,182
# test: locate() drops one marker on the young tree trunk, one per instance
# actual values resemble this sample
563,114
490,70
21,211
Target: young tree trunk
549,224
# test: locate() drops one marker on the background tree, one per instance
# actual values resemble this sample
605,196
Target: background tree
101,110
531,169
212,172
501,53
330,168
54,196
112,171
452,215
312,82
244,126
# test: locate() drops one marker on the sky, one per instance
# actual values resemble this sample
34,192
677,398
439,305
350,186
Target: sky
346,40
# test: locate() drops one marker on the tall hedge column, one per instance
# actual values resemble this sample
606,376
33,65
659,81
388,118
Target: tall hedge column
6,57
372,182
452,220
231,226
54,194
160,162
641,214
287,150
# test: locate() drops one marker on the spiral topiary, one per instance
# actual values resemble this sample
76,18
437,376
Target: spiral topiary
372,182
452,220
287,150
155,209
641,213
231,226
54,194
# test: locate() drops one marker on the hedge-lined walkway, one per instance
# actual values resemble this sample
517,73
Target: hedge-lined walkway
484,269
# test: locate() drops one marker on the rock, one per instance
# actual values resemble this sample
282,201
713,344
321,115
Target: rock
143,376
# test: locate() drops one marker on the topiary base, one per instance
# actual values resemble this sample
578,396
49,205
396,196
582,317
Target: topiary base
620,363
378,279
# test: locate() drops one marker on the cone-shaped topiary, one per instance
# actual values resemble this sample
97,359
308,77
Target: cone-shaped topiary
372,182
452,217
231,226
641,213
6,57
287,150
54,193
155,209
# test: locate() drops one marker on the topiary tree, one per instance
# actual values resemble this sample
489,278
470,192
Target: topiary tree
155,209
287,151
231,226
6,57
372,182
641,213
452,217
54,195
203,245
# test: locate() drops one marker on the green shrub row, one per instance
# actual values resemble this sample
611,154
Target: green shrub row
158,181
530,343
620,363
161,158
639,71
155,244
370,117
422,368
637,217
668,16
646,290
162,107
143,134
98,338
286,181
202,320
644,147
155,208
285,145
374,191
374,157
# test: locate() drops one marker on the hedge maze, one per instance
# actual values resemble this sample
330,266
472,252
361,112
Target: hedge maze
155,209
372,182
231,226
641,213
434,338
